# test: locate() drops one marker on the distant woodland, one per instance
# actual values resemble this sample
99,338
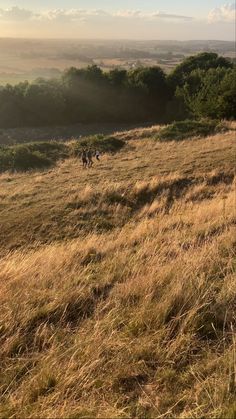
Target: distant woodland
203,85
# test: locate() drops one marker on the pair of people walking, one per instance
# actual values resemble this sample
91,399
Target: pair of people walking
87,157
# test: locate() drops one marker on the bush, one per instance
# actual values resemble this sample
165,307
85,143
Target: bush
43,154
6,159
28,156
97,142
182,130
54,150
25,159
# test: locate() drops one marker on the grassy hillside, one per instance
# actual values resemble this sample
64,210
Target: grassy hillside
118,283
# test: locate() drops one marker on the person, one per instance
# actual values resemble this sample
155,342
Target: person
90,158
97,155
84,158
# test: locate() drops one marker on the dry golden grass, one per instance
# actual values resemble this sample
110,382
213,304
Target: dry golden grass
118,296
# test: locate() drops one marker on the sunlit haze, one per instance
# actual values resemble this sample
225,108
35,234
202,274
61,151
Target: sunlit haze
107,19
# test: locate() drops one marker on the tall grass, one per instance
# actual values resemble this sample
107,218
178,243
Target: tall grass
134,320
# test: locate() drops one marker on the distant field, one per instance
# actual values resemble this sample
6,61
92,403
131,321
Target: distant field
23,59
108,64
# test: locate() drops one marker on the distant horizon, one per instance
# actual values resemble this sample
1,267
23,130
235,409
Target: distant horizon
116,39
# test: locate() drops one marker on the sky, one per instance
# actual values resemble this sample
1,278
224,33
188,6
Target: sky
118,19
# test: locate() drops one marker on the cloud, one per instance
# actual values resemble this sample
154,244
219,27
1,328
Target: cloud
129,14
60,15
79,15
225,13
154,15
69,15
15,14
171,16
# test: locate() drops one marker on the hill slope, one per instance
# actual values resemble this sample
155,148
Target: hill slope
118,295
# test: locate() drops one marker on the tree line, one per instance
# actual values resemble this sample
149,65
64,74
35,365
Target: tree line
201,86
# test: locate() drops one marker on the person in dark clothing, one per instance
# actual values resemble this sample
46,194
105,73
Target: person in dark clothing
84,159
90,158
97,155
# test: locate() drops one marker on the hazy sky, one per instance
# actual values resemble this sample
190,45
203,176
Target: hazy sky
133,19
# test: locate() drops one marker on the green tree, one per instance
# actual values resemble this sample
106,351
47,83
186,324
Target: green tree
202,61
43,102
117,78
150,91
210,93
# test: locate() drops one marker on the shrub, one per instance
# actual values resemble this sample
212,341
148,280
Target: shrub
40,155
25,159
182,130
6,159
54,150
97,142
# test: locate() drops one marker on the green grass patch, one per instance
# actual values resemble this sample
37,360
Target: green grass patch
183,130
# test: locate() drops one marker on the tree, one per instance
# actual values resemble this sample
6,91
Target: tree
202,61
117,78
43,102
227,97
210,93
149,85
12,105
206,86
